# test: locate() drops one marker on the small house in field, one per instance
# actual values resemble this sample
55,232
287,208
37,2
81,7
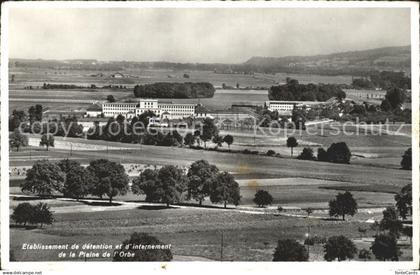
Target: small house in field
117,75
94,110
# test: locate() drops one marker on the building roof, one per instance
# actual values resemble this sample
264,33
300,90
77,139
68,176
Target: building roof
94,107
63,112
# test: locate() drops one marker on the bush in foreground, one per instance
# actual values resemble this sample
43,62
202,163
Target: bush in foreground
406,161
385,247
339,248
151,249
364,254
290,251
307,154
26,213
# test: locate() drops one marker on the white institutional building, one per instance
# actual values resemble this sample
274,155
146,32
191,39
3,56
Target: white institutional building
167,110
287,107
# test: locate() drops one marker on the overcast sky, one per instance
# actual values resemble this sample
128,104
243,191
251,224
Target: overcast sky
201,35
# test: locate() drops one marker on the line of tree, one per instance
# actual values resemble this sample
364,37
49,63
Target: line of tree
101,178
335,248
337,153
119,130
175,90
26,213
48,86
169,184
293,91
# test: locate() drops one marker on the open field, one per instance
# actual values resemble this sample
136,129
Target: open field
244,166
28,76
60,99
75,99
191,232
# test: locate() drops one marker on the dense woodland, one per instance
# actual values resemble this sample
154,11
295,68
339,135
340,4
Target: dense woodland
292,90
175,90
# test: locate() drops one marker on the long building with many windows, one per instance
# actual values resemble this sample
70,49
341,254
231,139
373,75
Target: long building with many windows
167,110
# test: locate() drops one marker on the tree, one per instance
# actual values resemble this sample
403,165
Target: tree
108,178
299,119
339,153
228,139
78,183
344,204
408,231
385,247
225,189
208,131
197,134
307,154
322,154
189,139
43,215
262,198
201,176
70,128
143,118
23,213
35,113
364,254
146,183
47,140
395,96
308,211
165,185
66,165
404,200
16,119
339,248
390,222
136,240
291,143
110,98
290,251
386,106
171,184
406,160
218,140
43,178
17,139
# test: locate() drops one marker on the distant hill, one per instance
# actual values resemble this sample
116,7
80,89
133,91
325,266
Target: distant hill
389,58
357,63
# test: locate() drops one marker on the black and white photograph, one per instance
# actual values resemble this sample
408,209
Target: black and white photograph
210,132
